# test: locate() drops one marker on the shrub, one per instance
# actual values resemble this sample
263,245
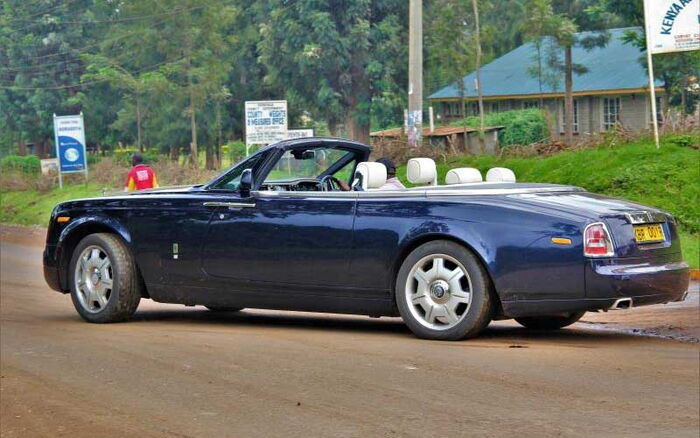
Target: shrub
29,164
522,127
123,156
236,150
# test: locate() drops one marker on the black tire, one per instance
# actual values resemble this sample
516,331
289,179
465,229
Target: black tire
479,312
223,309
549,322
127,285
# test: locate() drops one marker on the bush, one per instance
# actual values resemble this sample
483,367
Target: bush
29,164
236,150
123,156
522,127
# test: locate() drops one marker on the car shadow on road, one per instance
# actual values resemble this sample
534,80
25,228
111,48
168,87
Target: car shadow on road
496,331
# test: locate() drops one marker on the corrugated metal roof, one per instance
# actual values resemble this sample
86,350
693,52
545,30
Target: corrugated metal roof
613,67
440,131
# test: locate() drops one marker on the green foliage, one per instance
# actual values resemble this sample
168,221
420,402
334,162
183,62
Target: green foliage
29,164
521,126
123,156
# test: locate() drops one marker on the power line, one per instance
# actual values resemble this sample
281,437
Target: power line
62,87
118,20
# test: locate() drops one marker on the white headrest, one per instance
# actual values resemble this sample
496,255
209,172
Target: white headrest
500,174
373,174
463,175
422,171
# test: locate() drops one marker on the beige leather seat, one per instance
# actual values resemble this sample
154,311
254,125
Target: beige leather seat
373,174
500,174
463,175
422,171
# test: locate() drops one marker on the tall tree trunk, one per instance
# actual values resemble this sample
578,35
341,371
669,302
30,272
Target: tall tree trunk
568,97
194,159
219,135
356,130
174,153
210,158
475,6
138,124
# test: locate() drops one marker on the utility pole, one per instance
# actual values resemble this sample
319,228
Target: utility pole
480,95
415,73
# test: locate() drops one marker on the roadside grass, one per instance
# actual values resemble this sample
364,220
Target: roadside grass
33,207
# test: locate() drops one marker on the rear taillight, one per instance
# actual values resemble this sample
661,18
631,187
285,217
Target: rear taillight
597,241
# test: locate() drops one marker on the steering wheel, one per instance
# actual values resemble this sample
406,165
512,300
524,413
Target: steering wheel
329,183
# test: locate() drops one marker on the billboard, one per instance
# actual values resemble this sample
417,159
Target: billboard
299,133
672,25
265,121
69,134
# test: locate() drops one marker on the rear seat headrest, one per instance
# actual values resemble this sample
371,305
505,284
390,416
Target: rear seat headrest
463,175
422,171
373,174
500,174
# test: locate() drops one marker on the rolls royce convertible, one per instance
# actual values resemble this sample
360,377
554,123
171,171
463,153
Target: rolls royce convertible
281,230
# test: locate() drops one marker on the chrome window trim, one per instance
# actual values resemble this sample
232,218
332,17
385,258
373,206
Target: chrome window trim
412,193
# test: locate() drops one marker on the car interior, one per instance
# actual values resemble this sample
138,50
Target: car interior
335,169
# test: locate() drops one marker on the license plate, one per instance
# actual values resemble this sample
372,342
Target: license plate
649,233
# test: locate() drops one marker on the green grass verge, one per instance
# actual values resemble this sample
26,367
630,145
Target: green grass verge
32,207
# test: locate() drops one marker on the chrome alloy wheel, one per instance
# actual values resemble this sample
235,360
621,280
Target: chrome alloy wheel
93,279
438,291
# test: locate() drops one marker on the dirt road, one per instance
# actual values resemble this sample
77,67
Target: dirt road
188,372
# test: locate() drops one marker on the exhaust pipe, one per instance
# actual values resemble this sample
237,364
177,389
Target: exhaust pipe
621,304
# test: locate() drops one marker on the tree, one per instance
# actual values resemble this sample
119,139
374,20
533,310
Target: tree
326,56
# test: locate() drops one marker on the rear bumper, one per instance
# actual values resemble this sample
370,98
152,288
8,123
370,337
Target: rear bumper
645,281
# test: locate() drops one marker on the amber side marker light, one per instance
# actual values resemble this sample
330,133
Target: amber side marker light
561,241
62,219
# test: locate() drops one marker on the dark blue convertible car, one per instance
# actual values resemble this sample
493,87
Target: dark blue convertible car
280,230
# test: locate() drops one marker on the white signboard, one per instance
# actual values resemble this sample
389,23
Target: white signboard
299,133
265,121
672,25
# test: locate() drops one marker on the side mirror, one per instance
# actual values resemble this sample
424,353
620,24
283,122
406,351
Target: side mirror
246,182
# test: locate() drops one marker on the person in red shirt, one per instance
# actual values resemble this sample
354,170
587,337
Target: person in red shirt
140,176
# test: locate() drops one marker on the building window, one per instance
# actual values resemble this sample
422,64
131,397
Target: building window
451,109
611,112
531,104
495,107
474,108
574,124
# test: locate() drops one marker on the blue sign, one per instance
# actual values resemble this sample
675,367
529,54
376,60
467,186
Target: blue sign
70,143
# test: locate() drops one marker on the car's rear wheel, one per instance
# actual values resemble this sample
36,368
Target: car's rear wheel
443,292
553,322
223,309
105,283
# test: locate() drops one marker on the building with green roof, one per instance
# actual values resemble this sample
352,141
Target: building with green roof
614,89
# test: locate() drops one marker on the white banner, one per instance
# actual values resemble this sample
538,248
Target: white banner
672,25
265,121
299,133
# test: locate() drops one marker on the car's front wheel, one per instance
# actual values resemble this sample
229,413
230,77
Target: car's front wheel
554,322
443,292
105,283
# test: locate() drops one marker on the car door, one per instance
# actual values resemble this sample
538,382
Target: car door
281,238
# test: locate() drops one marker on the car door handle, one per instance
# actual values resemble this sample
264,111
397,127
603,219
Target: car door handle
230,204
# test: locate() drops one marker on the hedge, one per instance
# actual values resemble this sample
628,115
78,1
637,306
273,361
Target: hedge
522,127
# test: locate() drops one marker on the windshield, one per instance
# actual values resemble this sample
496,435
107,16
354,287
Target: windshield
305,164
232,181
